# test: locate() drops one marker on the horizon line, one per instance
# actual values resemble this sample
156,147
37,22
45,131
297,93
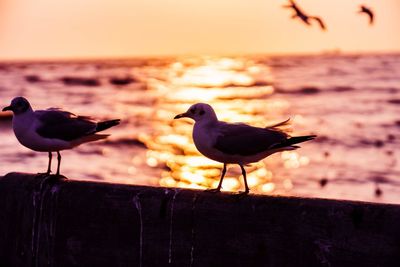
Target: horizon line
336,52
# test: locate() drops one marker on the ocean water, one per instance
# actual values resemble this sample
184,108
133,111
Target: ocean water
351,102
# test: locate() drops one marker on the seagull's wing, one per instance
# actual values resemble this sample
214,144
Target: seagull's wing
369,12
371,16
320,22
59,124
242,139
291,4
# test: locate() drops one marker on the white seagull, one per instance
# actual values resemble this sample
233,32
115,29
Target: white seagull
53,130
236,143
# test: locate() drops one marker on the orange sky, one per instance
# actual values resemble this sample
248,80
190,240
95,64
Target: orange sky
48,29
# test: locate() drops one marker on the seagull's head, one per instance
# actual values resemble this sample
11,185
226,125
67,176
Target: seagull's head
199,112
18,105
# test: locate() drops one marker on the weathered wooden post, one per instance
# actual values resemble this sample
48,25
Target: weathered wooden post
46,221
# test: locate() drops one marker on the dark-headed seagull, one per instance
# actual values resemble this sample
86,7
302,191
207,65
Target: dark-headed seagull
53,130
236,143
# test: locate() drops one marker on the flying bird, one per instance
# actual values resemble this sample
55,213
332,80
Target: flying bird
305,18
53,130
368,11
236,143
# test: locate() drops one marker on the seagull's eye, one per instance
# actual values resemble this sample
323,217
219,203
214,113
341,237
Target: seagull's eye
202,112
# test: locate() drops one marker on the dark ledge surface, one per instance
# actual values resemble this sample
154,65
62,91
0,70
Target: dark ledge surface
46,221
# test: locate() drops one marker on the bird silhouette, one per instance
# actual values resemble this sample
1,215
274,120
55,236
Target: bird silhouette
368,11
301,15
53,130
236,143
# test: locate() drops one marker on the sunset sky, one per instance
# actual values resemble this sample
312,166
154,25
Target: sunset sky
46,29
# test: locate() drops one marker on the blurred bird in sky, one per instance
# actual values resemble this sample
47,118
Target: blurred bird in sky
301,15
236,143
53,130
368,11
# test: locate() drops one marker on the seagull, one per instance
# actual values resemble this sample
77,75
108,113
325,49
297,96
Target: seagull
236,143
368,11
53,130
301,15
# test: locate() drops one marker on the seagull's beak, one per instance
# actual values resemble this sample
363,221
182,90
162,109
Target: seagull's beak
182,115
7,108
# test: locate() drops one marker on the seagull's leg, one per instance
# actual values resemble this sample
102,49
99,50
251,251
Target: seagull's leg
49,166
245,180
59,162
218,189
222,178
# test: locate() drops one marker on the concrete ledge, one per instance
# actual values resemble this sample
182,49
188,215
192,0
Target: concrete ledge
45,221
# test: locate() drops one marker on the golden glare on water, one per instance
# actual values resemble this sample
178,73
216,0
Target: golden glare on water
293,160
239,90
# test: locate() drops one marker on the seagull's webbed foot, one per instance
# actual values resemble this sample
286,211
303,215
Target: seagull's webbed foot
242,194
218,189
59,177
214,190
43,173
47,173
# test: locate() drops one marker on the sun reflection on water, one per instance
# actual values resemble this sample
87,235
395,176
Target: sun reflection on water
239,90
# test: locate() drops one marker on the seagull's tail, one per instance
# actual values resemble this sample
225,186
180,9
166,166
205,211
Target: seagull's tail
103,125
294,140
286,122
